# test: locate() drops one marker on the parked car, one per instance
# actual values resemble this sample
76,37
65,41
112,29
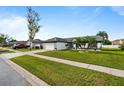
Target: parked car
18,46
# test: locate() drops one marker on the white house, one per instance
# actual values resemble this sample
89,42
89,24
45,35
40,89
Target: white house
55,44
66,43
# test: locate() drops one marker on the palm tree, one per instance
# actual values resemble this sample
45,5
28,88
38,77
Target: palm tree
78,42
84,41
103,34
91,42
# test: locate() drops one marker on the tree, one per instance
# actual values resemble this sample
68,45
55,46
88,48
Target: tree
12,40
91,42
103,34
84,41
122,46
107,42
5,39
33,24
78,42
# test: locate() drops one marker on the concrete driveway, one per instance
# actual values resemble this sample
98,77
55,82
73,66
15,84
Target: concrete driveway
9,77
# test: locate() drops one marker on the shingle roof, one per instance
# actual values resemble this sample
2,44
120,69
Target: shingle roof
98,38
55,39
37,41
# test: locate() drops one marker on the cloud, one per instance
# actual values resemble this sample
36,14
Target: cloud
15,26
98,10
118,9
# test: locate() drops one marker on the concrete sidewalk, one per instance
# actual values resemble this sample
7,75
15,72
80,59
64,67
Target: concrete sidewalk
9,77
115,72
12,55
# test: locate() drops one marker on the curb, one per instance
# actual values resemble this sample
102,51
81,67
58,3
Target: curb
32,79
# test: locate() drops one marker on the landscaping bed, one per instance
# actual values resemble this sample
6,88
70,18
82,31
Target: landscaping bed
61,74
103,58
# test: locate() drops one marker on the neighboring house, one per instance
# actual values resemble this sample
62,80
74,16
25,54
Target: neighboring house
13,44
37,43
20,42
118,42
66,43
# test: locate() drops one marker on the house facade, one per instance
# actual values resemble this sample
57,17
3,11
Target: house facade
118,42
55,44
67,43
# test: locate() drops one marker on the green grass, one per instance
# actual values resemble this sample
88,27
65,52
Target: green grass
103,58
26,49
61,74
5,51
111,49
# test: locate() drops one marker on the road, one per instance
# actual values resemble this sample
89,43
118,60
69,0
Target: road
9,77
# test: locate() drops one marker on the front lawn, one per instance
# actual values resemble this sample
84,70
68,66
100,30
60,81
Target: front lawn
103,58
61,74
3,51
27,49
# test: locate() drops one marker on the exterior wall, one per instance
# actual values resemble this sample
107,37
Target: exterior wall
86,46
110,46
34,44
74,46
54,46
99,45
60,45
118,42
49,46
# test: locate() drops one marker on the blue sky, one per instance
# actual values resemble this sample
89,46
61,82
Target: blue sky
64,21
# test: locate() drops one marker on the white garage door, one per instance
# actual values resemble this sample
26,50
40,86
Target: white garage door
49,46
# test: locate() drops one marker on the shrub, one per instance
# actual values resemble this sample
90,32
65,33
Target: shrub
107,42
122,46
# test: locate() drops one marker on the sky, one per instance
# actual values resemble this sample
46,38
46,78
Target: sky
64,21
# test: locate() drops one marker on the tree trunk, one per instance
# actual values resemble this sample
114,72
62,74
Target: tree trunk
30,45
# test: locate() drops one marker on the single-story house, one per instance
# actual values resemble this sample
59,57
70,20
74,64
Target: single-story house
37,43
118,42
67,43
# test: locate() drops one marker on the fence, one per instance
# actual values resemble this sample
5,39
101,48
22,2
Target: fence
110,46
